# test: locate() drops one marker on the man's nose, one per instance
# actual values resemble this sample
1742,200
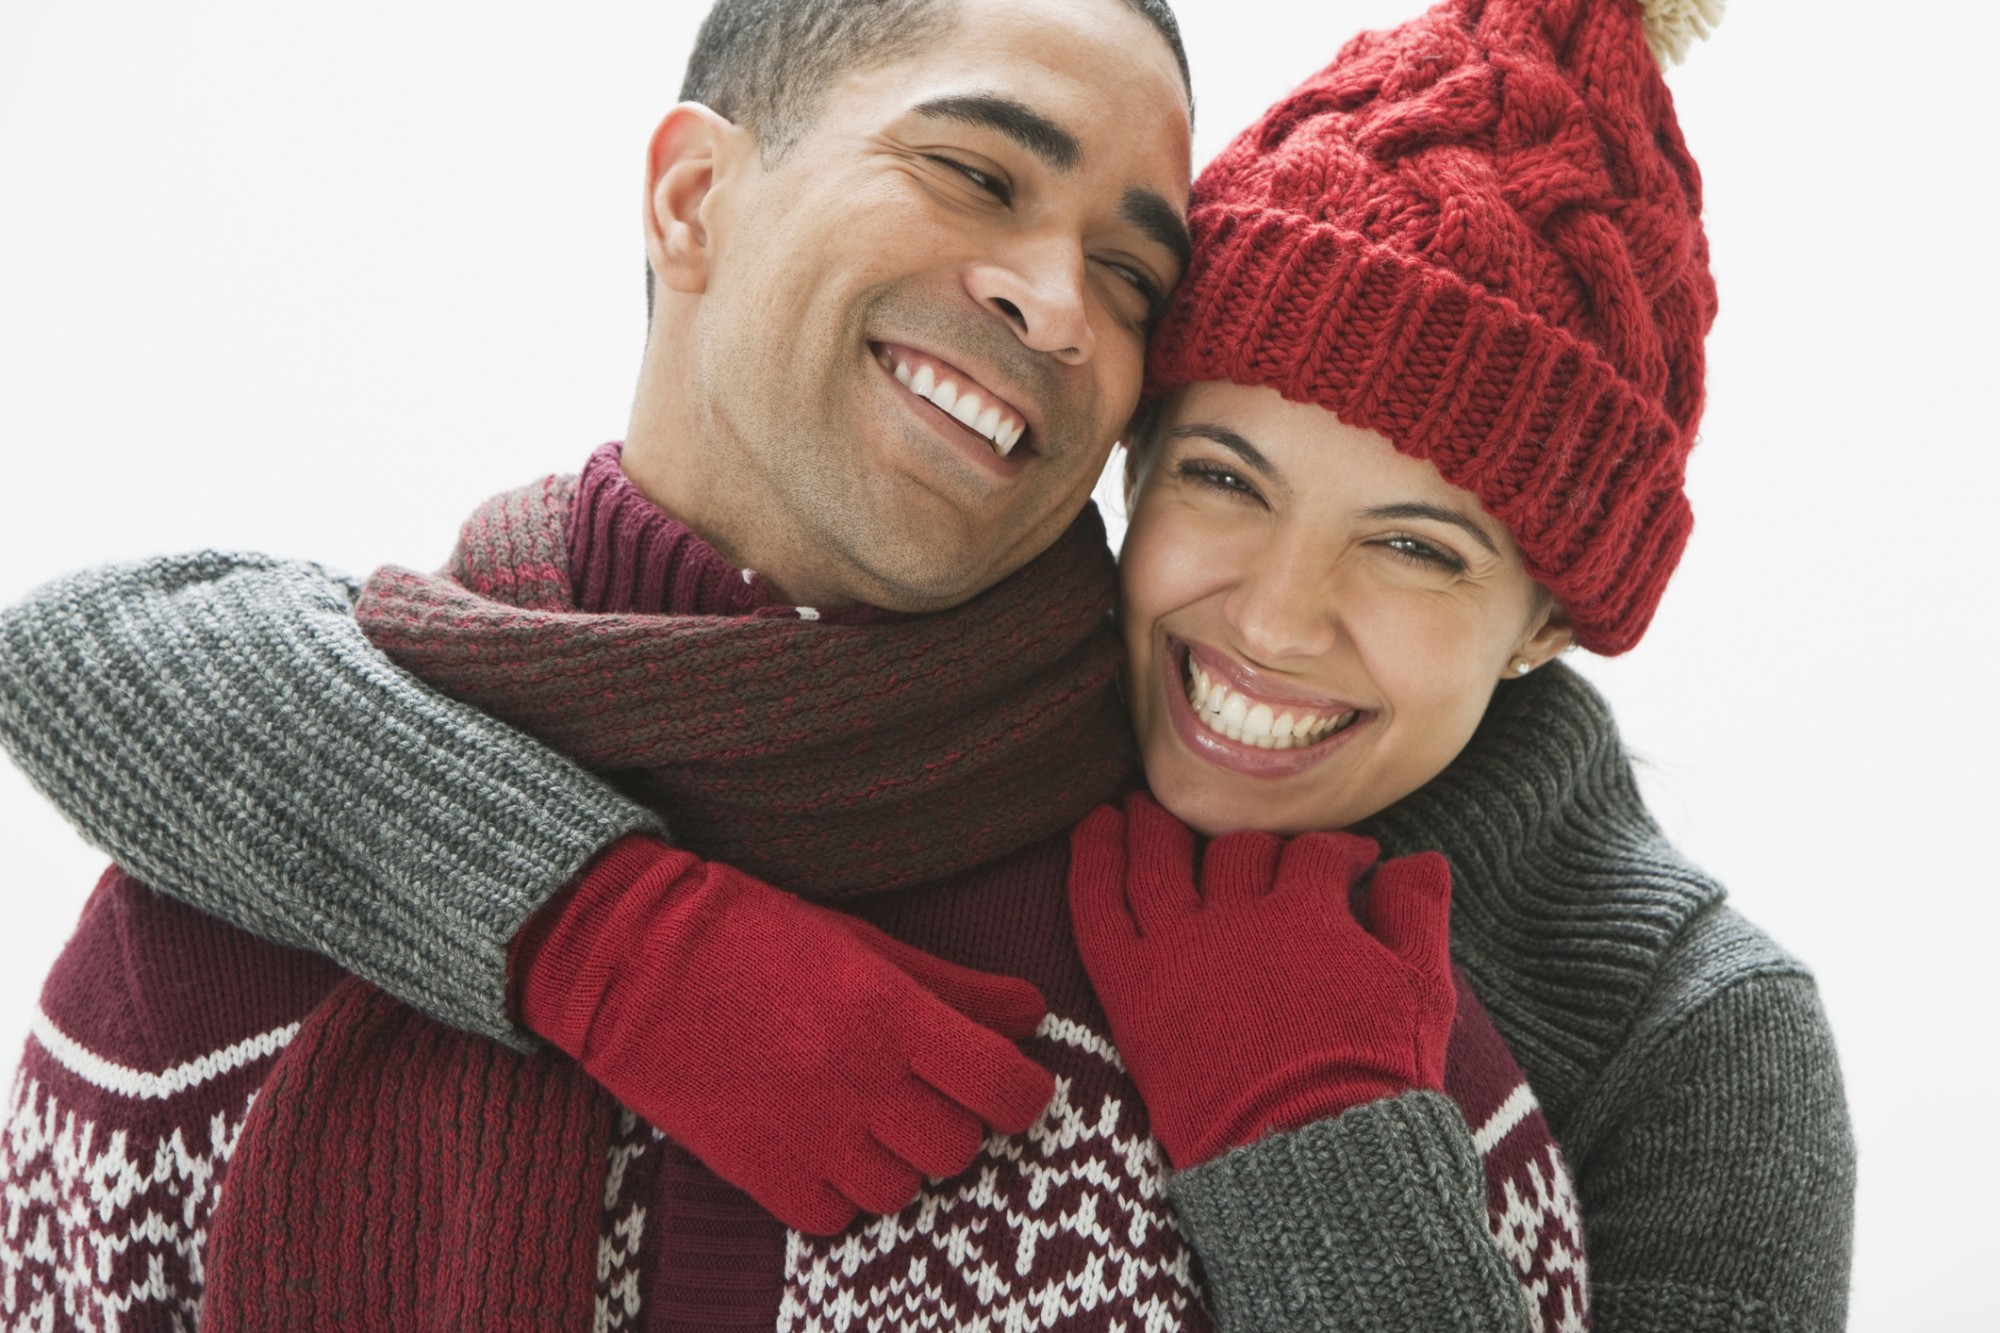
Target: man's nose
1039,289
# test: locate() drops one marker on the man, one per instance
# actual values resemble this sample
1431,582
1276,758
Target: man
902,258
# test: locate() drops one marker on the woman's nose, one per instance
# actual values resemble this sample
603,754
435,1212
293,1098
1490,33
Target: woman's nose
1281,613
1039,291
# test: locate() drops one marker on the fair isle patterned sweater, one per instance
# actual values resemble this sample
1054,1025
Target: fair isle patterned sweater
159,1024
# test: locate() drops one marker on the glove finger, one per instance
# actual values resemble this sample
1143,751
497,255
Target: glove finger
1239,868
1097,846
986,1075
875,1180
937,1137
1327,864
1098,909
814,1208
1008,1005
1159,874
1409,910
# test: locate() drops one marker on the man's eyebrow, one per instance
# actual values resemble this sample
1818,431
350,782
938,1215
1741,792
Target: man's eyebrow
1251,455
1436,514
1017,120
1161,221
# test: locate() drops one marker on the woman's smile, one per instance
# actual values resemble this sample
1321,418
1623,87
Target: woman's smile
1232,717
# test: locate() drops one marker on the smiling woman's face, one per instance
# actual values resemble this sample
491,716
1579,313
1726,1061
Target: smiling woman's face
1315,622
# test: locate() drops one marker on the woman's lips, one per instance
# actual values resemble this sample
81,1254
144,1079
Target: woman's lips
1316,726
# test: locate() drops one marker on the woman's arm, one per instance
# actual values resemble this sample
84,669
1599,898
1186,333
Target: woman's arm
1717,1160
1250,997
1375,1218
1714,1161
220,726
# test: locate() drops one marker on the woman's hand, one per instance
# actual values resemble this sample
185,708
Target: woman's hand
1255,1000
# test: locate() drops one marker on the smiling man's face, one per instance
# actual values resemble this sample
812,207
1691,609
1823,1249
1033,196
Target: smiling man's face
1000,213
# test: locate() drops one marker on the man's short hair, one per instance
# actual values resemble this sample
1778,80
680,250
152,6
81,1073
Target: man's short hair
764,64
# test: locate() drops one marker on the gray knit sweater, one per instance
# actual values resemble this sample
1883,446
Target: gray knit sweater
221,727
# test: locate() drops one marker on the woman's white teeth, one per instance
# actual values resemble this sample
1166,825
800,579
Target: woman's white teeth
966,405
1228,713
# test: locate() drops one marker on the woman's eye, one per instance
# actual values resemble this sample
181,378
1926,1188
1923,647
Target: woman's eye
1204,473
993,185
1422,552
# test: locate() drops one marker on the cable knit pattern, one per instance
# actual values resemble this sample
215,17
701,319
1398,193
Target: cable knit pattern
295,803
1480,235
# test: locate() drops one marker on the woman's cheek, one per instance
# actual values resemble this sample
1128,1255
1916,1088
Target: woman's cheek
1425,655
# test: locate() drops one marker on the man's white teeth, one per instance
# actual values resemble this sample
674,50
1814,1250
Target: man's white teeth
966,405
1227,712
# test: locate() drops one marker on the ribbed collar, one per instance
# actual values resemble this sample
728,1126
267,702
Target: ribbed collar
1565,893
629,556
626,554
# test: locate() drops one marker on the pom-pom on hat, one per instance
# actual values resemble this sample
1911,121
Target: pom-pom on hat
1479,234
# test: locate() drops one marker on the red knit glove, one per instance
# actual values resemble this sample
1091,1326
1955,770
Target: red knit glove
805,1057
1256,1001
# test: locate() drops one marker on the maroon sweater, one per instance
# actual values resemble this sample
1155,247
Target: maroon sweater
159,1025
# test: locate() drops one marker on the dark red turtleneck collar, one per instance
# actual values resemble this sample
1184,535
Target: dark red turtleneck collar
626,554
629,556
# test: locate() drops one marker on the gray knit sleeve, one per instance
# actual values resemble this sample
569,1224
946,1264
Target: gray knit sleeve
1375,1219
1718,1187
220,726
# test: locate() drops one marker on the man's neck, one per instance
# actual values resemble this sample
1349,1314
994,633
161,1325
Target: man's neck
665,459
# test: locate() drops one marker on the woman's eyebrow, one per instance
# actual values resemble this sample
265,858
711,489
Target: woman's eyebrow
1436,514
1236,444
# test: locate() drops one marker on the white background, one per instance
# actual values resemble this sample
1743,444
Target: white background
315,279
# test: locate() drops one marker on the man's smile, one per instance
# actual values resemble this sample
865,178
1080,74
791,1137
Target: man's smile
957,394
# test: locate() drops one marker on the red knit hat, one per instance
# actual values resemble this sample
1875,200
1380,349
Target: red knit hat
1480,235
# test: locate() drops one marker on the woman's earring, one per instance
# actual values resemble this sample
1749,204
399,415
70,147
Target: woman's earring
1522,666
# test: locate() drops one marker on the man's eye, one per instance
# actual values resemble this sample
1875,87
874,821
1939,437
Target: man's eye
1145,286
993,185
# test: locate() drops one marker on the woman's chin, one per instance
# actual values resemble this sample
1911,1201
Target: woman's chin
1213,802
1209,804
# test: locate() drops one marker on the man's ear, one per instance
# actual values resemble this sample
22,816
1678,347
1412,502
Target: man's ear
690,151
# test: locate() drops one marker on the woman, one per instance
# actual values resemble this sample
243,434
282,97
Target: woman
1425,398
1427,392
